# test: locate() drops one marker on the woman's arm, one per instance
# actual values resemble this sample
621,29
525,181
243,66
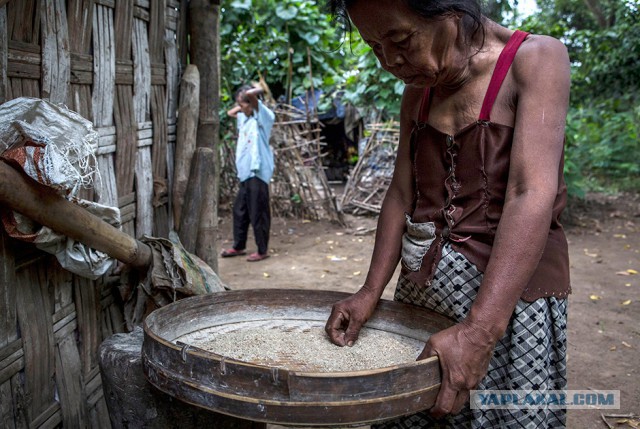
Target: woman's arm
348,316
233,112
541,80
252,95
536,154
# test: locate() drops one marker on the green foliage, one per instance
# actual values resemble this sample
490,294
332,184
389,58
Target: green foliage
603,142
274,40
602,125
604,51
270,38
610,58
496,10
368,86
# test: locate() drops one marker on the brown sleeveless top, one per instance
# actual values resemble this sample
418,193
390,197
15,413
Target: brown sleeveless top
460,183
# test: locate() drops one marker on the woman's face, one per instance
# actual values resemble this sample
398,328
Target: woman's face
418,51
245,105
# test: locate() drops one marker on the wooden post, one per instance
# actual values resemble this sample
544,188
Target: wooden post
183,30
199,179
205,53
4,52
187,131
207,241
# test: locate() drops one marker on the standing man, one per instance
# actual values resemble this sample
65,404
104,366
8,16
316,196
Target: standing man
254,164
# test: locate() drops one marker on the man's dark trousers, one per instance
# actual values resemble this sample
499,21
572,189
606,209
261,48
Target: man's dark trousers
252,207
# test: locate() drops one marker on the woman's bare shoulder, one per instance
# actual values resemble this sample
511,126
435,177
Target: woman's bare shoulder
536,45
538,56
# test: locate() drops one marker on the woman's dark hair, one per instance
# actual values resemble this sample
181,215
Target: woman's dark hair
471,10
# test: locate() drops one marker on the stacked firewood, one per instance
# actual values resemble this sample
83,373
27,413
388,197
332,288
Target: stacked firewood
299,187
371,176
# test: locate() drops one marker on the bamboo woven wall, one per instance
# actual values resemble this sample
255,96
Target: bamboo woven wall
116,63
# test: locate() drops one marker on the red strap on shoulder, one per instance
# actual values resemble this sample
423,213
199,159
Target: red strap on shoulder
500,72
423,114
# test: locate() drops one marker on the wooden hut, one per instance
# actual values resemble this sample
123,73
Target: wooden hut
117,63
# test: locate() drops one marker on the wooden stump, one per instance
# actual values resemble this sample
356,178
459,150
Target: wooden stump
134,403
186,136
199,180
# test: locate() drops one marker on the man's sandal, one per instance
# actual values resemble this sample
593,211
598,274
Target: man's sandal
232,252
255,257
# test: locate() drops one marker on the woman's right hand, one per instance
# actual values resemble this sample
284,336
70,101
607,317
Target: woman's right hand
349,315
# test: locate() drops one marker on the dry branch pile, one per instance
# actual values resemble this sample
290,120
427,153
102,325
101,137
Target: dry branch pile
370,178
299,187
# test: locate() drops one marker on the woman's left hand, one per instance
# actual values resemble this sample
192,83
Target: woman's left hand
464,351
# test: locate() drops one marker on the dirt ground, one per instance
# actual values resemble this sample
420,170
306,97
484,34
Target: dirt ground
604,307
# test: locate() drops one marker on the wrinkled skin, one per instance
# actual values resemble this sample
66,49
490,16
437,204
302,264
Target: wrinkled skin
533,100
466,348
349,315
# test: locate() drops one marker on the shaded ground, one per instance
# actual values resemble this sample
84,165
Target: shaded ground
604,308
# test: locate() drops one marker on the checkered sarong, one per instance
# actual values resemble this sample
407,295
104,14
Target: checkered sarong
530,356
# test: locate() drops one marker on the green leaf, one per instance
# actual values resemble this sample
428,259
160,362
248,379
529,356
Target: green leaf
286,12
311,38
241,4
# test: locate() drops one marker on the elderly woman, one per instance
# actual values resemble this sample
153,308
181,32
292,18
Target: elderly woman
473,209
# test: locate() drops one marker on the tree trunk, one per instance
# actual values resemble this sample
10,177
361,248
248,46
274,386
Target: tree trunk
205,53
597,12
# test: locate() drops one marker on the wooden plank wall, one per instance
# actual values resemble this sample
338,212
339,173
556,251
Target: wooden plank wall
117,63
